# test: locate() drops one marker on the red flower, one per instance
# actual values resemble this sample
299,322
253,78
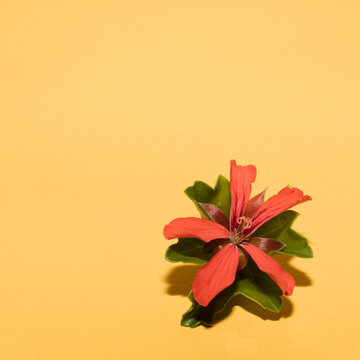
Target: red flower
234,238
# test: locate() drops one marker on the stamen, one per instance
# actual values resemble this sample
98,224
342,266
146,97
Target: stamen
244,222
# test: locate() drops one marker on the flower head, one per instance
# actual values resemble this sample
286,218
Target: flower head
233,238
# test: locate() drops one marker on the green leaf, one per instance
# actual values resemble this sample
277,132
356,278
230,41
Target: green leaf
279,228
187,250
250,282
203,193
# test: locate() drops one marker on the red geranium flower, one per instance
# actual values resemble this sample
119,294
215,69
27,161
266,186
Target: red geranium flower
234,238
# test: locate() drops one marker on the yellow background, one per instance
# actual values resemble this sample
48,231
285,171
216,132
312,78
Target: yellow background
109,109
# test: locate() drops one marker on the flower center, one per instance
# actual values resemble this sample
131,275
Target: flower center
244,223
236,239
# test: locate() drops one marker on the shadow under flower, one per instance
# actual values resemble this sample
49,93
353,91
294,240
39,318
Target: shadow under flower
301,278
180,279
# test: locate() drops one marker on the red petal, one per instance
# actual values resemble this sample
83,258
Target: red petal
216,275
284,200
202,229
267,264
254,204
241,178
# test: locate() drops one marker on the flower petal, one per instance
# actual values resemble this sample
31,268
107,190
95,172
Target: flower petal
216,275
254,204
267,264
202,229
216,214
241,178
266,244
277,204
